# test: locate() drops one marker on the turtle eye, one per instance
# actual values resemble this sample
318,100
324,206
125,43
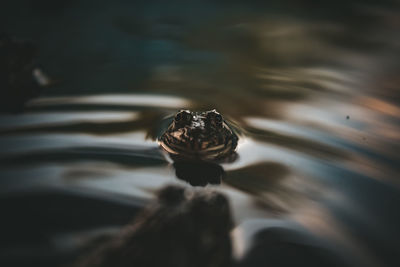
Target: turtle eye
218,118
214,117
183,116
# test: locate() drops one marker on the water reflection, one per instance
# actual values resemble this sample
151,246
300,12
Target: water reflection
199,173
288,74
273,186
134,122
40,119
133,156
113,99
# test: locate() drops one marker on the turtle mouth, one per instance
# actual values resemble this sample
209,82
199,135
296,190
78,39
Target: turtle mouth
198,141
197,150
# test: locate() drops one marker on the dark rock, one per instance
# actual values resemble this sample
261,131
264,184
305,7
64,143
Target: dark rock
185,227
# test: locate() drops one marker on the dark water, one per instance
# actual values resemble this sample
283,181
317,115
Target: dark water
313,88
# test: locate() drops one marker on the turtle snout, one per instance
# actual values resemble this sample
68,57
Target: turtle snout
197,138
196,132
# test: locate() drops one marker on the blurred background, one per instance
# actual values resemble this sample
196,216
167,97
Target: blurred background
312,86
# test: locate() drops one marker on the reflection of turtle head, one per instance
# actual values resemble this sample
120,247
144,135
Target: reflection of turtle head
199,173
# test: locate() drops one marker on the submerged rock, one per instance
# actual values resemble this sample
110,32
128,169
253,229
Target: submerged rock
184,227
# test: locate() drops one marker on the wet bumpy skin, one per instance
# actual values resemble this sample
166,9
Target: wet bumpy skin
199,135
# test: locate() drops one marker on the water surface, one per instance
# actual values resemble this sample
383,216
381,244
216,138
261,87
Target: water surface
312,88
